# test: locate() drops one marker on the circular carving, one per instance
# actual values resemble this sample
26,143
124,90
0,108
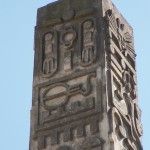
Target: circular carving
88,24
67,15
55,96
68,36
48,37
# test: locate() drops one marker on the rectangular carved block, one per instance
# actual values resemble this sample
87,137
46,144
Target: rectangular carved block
84,83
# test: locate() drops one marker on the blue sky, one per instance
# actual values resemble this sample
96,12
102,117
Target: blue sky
17,21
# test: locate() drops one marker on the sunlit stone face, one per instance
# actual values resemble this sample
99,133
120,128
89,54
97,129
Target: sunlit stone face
68,37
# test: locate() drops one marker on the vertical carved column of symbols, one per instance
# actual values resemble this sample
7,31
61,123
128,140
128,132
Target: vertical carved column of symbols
129,90
120,37
123,104
121,60
88,42
120,137
126,44
130,97
126,105
50,54
130,85
68,37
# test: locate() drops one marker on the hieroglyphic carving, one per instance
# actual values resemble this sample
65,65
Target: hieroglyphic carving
61,92
64,99
73,110
123,101
121,61
50,53
68,37
76,108
129,84
88,139
88,44
122,133
122,38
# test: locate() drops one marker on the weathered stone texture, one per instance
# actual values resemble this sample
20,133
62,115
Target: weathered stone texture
84,85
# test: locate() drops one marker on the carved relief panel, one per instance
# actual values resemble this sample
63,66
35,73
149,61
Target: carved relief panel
71,139
124,102
68,97
68,37
120,36
88,42
68,100
85,87
50,53
67,47
68,93
122,76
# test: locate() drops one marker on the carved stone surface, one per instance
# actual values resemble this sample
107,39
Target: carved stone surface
88,45
49,53
84,85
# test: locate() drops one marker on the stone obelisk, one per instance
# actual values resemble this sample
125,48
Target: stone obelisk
84,83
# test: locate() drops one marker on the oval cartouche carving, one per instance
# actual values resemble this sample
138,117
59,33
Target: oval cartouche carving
49,66
88,43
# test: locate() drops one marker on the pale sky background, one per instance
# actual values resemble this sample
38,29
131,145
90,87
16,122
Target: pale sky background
17,21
